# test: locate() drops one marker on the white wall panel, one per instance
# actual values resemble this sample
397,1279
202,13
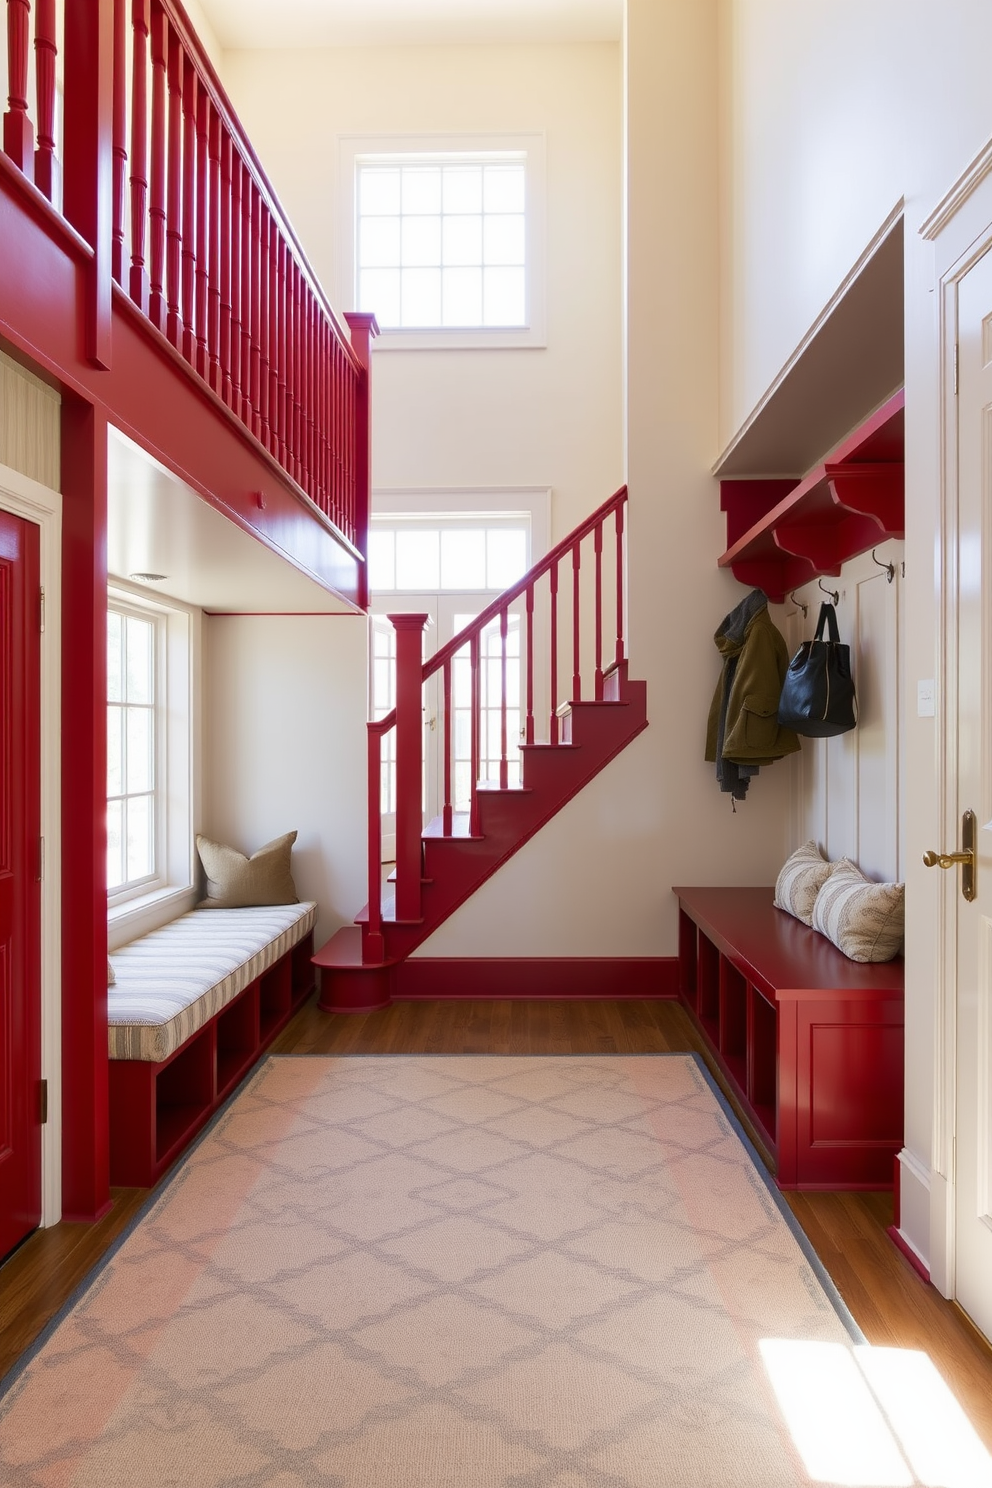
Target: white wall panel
29,425
847,793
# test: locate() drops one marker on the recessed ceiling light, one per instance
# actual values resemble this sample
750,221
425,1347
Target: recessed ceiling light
147,578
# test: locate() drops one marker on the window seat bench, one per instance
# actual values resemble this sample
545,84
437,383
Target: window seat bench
810,1042
194,1005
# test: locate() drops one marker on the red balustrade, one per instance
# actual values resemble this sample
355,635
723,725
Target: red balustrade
197,241
483,646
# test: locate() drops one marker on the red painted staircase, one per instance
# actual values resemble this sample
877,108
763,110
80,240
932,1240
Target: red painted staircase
442,865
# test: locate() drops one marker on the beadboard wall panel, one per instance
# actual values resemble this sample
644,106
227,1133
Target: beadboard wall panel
29,425
847,790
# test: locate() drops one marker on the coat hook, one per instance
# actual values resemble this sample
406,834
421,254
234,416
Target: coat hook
890,568
799,604
834,593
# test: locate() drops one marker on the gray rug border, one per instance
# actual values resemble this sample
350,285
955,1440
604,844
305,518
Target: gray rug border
255,1073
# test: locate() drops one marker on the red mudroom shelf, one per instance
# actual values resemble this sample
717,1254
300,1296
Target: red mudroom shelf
782,533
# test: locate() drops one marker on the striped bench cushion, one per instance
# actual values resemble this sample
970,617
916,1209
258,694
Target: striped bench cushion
171,982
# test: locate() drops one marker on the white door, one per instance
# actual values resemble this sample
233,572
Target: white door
973,1116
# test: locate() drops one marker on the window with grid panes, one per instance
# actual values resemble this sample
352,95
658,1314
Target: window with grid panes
133,765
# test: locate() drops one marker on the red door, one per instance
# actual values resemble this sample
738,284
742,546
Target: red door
20,888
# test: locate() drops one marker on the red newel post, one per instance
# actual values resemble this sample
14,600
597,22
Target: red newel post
373,946
364,328
45,50
18,136
409,761
87,198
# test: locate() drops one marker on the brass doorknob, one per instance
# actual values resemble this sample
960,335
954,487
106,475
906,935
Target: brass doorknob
933,859
968,857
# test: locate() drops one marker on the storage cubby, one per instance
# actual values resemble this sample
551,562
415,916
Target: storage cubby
708,987
811,1044
687,960
184,1092
732,1034
762,1076
237,1038
304,973
275,998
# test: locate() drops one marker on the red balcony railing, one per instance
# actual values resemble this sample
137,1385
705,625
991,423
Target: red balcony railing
198,242
581,580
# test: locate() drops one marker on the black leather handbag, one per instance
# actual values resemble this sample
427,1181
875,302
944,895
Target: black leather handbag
818,692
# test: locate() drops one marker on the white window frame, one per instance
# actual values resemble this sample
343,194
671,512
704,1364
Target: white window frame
354,149
133,910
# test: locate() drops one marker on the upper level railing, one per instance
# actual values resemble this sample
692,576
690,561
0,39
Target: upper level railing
199,243
593,597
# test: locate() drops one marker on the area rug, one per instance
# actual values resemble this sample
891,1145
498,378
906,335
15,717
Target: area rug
437,1272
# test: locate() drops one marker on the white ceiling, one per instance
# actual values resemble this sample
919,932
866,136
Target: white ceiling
259,24
157,524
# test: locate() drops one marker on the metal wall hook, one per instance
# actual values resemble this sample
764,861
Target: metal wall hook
834,593
799,604
890,568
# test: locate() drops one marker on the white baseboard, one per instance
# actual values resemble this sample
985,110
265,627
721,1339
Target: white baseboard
914,1205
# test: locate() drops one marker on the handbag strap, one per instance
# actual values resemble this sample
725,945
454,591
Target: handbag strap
828,617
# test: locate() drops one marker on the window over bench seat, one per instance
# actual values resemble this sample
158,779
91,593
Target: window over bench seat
194,1005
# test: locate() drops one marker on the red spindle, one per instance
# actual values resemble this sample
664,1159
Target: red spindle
174,228
447,810
214,272
236,281
529,735
189,210
576,663
598,546
409,761
254,308
308,347
18,136
119,153
202,267
138,276
473,812
45,52
553,577
226,265
298,372
273,262
619,651
156,211
504,766
289,462
263,322
373,949
283,317
246,193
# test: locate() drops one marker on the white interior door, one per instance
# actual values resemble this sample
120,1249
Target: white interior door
973,1115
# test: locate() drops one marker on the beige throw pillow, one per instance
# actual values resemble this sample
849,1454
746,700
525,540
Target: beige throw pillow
235,882
865,920
801,879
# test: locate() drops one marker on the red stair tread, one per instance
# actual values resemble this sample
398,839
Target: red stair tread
343,949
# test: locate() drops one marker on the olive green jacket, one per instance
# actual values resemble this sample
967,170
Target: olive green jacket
755,661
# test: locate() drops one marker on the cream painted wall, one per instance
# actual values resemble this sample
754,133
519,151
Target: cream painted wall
284,747
606,865
834,111
472,418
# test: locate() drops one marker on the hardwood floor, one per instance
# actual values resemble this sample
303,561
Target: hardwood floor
890,1302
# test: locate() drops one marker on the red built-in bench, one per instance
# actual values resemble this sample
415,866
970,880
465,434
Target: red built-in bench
810,1041
194,1005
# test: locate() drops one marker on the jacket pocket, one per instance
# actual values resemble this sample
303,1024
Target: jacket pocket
760,724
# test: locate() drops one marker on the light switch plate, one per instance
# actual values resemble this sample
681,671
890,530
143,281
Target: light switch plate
925,699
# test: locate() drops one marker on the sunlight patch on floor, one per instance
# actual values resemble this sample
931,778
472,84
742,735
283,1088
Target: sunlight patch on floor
867,1417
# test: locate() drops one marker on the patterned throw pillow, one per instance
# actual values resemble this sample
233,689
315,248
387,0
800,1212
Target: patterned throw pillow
801,879
865,920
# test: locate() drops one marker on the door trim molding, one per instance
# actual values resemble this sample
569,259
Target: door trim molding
961,232
28,499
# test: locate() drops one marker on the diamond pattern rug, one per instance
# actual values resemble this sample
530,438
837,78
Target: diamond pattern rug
436,1272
